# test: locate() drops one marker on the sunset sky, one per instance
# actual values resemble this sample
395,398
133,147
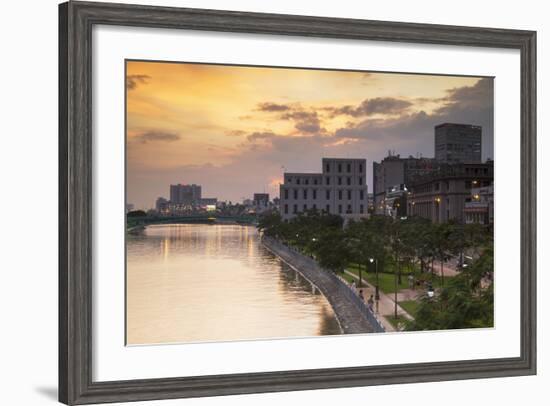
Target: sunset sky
234,130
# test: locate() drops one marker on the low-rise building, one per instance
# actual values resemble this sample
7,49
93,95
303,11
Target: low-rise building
479,208
340,188
441,196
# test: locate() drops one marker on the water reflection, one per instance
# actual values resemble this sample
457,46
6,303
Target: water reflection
194,282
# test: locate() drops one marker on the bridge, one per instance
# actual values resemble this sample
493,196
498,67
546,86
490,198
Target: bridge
134,224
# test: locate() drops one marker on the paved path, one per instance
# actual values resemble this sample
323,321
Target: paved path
386,304
449,268
351,319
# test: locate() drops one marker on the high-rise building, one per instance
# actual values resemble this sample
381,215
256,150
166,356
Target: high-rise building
458,143
185,194
339,189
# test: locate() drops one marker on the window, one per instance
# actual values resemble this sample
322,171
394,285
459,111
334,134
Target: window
314,181
289,179
349,181
327,168
328,181
314,194
339,168
295,193
328,194
339,195
297,181
361,195
314,207
295,209
349,194
360,181
305,193
361,209
328,208
360,167
307,181
349,168
305,207
339,180
286,194
340,209
349,209
286,208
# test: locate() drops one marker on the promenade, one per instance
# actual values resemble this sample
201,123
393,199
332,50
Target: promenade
352,320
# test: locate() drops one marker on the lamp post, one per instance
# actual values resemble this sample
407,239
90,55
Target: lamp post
431,291
376,288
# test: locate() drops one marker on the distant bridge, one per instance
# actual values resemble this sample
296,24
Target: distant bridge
137,223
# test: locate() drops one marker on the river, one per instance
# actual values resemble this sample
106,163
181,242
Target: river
199,282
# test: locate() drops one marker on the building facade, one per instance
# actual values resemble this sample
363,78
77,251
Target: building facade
394,172
479,209
442,195
458,143
185,194
340,189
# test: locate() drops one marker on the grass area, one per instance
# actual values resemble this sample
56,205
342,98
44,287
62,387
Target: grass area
410,306
398,323
387,280
347,277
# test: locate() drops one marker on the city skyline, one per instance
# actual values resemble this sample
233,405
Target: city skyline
235,130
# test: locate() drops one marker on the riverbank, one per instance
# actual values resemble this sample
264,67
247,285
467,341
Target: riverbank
349,314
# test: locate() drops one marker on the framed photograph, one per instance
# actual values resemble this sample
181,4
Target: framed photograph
259,202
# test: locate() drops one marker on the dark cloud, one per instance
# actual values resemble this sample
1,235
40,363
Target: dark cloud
132,81
304,121
273,107
235,133
467,105
256,136
378,105
156,136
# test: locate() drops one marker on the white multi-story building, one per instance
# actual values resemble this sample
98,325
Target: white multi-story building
340,189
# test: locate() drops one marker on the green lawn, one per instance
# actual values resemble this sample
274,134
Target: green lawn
410,306
387,280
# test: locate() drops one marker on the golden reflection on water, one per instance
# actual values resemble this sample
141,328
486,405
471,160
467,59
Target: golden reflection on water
195,282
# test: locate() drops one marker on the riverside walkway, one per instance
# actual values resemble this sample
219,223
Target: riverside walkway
351,315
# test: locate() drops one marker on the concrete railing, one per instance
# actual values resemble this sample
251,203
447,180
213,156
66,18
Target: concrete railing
360,303
343,287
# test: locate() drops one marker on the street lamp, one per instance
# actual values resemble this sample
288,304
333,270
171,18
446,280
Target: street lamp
376,288
431,292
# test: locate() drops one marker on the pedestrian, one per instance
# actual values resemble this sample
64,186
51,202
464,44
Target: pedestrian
353,287
371,302
361,295
411,281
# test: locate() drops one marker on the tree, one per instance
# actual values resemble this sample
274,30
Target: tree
136,213
270,224
443,244
467,301
333,251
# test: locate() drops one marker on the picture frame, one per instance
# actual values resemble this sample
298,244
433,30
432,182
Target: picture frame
76,19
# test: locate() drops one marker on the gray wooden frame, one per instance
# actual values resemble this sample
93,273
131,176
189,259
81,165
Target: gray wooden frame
76,20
